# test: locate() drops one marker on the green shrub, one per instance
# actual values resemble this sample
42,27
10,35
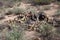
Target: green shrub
15,34
9,3
57,13
43,1
31,9
9,12
18,10
15,11
46,7
46,31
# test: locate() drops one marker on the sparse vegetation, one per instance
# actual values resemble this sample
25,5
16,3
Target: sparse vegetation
46,31
46,7
9,12
58,12
31,9
43,1
18,11
29,21
15,11
1,16
16,33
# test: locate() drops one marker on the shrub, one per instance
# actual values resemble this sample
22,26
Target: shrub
46,7
43,1
57,13
2,16
10,3
15,11
15,34
46,31
18,11
56,18
9,12
31,9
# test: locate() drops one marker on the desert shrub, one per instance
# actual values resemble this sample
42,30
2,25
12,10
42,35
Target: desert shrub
9,3
15,11
57,13
46,31
46,7
9,12
11,0
31,9
56,18
2,16
18,10
17,4
43,1
16,33
58,0
16,0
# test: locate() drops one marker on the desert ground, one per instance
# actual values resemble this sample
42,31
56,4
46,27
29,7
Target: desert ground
29,20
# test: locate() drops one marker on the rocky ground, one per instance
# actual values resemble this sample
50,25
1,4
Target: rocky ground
27,17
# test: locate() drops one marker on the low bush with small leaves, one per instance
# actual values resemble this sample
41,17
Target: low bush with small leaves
18,11
2,16
46,31
9,3
46,7
16,33
43,1
15,11
57,13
